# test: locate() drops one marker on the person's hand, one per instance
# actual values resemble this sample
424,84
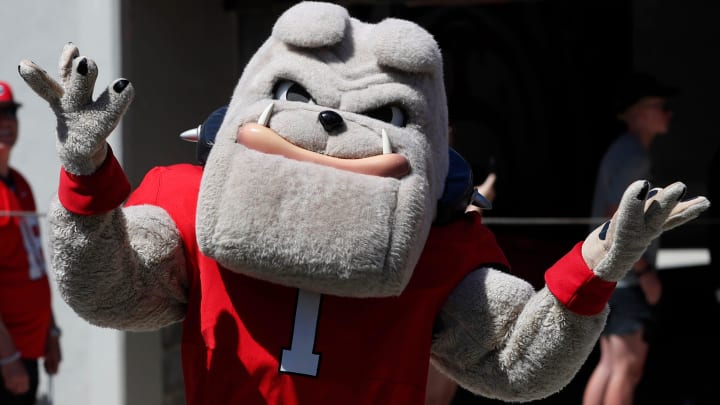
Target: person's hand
15,377
487,189
651,286
53,355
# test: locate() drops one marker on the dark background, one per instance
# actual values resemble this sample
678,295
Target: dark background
530,88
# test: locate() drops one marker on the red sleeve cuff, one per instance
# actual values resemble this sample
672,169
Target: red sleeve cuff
576,286
98,193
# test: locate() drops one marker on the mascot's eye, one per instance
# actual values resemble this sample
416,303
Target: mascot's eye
287,90
389,113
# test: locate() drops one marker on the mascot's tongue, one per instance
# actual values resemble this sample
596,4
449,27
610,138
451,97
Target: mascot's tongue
264,139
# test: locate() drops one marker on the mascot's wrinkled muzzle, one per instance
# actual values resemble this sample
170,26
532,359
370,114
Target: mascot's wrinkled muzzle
263,139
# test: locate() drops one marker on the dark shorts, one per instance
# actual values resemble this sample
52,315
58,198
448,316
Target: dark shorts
628,312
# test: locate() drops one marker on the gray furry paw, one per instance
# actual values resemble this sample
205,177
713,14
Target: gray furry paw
643,215
83,124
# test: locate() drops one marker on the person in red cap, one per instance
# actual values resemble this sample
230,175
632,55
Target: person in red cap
641,105
27,327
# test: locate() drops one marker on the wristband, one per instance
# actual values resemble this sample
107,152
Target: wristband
10,359
55,331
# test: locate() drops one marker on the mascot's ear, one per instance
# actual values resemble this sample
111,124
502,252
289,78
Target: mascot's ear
205,133
208,130
459,190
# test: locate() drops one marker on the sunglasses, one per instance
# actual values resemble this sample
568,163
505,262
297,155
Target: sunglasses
8,112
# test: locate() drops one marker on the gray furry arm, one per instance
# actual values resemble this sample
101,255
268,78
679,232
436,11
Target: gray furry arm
499,338
123,270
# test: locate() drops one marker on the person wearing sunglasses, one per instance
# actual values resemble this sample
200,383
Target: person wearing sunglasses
642,107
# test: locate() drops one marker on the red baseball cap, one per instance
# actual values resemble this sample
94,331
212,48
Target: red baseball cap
6,95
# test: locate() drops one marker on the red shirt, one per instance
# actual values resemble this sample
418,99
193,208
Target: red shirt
244,341
24,288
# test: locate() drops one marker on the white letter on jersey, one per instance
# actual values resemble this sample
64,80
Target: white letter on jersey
300,359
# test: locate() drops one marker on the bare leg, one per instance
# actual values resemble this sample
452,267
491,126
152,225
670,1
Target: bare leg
629,353
597,384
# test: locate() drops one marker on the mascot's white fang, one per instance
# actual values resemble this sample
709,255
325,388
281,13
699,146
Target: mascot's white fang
312,256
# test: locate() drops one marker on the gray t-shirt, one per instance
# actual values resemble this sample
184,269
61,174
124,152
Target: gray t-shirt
625,161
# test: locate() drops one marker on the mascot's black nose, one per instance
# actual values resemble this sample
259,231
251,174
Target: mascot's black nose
330,120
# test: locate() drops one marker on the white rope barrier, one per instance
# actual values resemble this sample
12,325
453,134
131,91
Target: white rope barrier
667,258
541,221
487,220
22,214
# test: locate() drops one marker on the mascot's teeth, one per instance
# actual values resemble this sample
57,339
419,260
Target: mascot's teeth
265,116
387,148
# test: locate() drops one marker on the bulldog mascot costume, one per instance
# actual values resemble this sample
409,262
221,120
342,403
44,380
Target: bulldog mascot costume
304,257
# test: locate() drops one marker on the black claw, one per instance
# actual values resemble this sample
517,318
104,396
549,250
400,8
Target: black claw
82,67
120,85
682,195
643,192
603,231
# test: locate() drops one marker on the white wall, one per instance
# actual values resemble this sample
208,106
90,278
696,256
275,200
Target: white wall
92,370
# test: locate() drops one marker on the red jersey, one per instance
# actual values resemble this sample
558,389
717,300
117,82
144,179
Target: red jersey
253,342
24,287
